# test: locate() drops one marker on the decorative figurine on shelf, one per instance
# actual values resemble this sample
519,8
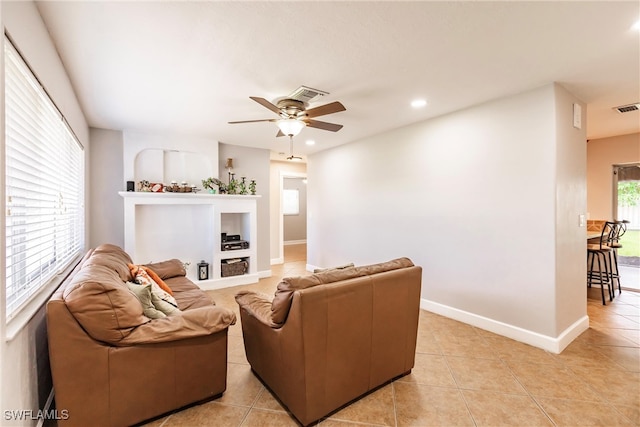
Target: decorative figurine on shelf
210,182
243,186
144,185
233,184
252,187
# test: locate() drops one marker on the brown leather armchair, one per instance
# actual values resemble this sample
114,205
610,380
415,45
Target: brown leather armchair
329,338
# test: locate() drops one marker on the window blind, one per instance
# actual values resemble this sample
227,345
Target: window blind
44,178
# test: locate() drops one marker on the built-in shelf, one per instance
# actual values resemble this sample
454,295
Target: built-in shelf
188,226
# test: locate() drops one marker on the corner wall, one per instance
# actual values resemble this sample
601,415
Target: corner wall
253,163
471,197
571,202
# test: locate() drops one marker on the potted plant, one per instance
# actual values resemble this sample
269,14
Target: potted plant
210,182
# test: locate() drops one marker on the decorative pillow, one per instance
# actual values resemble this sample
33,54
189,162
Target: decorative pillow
153,306
144,279
144,294
163,306
134,272
157,279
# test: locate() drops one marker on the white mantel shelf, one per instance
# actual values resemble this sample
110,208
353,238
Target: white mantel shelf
147,197
140,247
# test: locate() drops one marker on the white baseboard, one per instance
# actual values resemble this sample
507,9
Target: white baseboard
310,267
551,344
294,242
275,261
264,274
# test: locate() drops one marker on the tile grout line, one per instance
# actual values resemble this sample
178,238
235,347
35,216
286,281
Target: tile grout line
395,408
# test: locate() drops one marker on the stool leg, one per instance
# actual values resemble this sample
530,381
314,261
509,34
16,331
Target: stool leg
601,282
615,259
590,272
608,276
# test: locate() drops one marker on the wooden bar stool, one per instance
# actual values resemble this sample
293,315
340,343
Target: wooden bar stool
618,229
601,251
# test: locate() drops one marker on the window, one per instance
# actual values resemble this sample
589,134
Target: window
290,202
44,178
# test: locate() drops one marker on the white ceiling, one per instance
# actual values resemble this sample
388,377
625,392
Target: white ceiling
190,67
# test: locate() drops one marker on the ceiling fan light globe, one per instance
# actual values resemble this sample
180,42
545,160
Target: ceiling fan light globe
290,127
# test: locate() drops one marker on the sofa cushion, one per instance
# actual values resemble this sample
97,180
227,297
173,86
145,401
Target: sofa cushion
114,257
102,303
386,266
111,261
339,267
284,293
187,294
168,269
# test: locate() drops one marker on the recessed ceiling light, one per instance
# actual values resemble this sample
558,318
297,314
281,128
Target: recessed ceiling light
310,142
418,103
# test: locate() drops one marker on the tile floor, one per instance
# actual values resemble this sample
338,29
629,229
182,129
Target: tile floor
463,376
630,277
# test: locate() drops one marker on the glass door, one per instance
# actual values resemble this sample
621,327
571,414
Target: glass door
626,206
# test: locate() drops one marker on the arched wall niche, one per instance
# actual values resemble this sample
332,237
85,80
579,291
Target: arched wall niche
163,166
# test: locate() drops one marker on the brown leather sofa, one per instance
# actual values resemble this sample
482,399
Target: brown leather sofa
329,338
112,365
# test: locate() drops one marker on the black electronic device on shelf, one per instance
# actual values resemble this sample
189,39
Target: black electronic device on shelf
229,237
234,245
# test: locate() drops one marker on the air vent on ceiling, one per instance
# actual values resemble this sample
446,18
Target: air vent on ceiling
306,94
628,108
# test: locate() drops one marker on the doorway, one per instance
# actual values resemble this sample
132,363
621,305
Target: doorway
626,206
293,210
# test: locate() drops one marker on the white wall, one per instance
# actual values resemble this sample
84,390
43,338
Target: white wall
470,197
24,369
602,154
106,207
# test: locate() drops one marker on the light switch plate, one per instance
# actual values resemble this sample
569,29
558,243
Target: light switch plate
577,116
581,220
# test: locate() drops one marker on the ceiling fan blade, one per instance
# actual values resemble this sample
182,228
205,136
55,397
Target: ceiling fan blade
253,121
266,104
323,125
332,107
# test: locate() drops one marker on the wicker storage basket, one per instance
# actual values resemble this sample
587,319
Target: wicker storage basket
234,269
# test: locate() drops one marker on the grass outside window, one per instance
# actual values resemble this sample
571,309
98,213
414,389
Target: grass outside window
630,242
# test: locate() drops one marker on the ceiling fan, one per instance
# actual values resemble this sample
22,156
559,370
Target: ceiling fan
294,115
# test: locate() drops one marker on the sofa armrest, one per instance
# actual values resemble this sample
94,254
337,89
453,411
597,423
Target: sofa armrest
257,305
186,324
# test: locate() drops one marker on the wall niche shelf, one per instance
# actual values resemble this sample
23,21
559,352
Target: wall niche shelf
188,226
